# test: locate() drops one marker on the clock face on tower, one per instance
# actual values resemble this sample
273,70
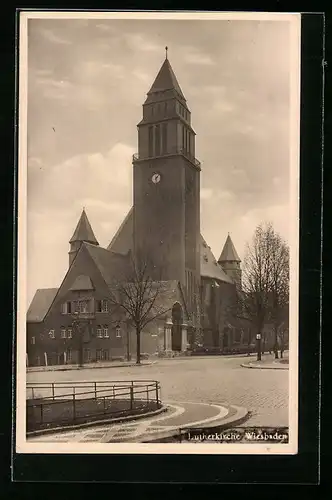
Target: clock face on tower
156,178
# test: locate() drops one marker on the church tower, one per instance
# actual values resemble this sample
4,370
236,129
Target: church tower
167,186
83,232
231,262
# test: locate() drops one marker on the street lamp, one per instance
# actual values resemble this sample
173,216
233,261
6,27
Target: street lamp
259,346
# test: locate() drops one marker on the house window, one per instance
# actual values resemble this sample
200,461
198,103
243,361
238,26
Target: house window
81,306
69,333
165,105
69,355
66,308
51,334
106,334
99,332
118,332
63,333
104,306
99,354
33,340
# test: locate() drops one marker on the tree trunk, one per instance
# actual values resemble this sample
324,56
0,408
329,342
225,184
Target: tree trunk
138,346
276,355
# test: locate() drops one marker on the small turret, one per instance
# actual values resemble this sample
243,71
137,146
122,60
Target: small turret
231,262
83,232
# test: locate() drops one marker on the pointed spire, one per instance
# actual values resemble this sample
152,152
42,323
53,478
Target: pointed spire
166,79
229,254
83,231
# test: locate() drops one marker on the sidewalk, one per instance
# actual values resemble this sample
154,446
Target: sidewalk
178,415
108,364
268,362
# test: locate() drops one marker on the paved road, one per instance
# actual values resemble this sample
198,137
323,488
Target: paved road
206,380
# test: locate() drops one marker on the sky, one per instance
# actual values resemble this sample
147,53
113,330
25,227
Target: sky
87,81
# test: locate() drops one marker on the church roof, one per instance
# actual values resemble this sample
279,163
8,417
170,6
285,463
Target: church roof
122,242
229,253
110,264
83,231
40,304
166,80
209,266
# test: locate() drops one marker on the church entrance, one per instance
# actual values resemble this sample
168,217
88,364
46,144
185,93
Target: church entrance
177,318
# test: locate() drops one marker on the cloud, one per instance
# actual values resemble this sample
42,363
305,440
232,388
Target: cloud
192,55
52,37
139,42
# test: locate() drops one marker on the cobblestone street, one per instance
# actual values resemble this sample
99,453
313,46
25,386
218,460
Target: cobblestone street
213,380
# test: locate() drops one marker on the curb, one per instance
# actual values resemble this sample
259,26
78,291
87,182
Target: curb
262,367
74,367
97,423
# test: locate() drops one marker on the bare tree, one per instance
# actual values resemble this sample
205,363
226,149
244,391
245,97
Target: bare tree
142,298
256,279
279,285
266,279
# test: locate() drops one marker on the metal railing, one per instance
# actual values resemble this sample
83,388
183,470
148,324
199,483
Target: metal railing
56,404
172,151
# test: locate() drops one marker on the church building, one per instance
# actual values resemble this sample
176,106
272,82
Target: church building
77,323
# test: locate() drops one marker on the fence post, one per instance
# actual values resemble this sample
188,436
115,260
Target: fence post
104,404
131,397
53,390
147,393
95,390
41,413
157,393
74,407
113,392
32,393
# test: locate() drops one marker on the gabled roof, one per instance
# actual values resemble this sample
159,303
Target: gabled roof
110,264
40,304
166,80
82,282
83,231
122,242
229,253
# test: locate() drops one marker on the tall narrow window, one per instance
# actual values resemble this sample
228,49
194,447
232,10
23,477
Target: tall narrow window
157,138
150,141
183,135
99,332
164,138
165,108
